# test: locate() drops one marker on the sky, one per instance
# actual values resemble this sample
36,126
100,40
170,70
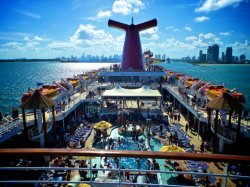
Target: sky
56,28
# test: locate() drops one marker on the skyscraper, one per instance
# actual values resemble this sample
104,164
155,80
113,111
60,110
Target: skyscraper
223,57
215,49
229,54
242,58
209,54
202,57
213,53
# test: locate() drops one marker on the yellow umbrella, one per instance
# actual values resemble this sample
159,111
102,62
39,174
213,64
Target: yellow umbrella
84,185
85,157
102,125
172,148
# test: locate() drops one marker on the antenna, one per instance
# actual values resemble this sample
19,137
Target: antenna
132,20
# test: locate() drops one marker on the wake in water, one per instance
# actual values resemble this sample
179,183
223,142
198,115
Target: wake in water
204,66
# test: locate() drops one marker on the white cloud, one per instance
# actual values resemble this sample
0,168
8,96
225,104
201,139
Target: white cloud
188,28
174,44
13,36
240,48
191,38
89,40
87,34
86,38
35,38
213,5
206,36
204,40
170,28
103,14
29,14
32,45
100,15
225,33
14,47
59,45
126,7
201,19
150,34
12,44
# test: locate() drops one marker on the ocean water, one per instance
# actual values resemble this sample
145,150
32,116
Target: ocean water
17,77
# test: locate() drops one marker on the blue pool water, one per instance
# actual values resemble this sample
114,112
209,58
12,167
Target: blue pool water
129,144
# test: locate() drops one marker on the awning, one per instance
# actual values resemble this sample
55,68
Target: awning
119,92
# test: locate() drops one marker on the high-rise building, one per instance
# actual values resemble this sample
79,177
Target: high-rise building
223,57
229,55
242,58
202,57
236,59
209,54
213,53
215,49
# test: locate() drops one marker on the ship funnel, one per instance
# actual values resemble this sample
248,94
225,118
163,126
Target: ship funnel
132,58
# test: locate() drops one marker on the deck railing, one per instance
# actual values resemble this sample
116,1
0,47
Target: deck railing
91,153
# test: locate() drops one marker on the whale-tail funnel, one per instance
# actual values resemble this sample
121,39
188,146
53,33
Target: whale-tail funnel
132,58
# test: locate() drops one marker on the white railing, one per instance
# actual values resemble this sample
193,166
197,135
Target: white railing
10,128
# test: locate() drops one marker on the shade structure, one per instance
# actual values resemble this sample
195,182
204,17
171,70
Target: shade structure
143,92
171,148
102,125
225,102
37,101
85,157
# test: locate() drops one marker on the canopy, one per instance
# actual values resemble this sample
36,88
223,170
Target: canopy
144,92
172,148
37,101
225,102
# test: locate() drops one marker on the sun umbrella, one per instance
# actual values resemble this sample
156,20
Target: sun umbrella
172,148
84,185
85,157
102,125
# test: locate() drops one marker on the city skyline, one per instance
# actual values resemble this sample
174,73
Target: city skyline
50,29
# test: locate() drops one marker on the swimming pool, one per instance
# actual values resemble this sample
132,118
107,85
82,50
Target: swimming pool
121,143
141,144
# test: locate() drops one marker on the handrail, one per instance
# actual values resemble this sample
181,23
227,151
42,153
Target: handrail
121,153
117,153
